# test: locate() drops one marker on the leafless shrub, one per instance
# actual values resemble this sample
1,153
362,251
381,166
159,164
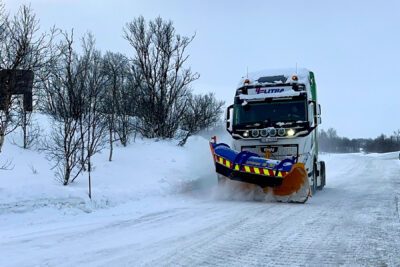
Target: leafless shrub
118,103
63,148
74,92
63,104
30,133
6,166
92,120
202,111
33,169
159,74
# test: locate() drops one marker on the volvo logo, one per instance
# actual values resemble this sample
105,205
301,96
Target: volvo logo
271,149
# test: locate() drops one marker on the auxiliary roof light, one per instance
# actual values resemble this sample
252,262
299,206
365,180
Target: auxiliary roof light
290,132
264,132
247,81
272,131
295,78
281,131
255,133
246,134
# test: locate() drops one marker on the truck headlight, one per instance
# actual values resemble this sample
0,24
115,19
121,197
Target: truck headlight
290,132
255,133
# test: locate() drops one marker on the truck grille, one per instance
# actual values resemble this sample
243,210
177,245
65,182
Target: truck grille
278,152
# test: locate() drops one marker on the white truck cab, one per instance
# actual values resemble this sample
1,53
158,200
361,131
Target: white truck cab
275,114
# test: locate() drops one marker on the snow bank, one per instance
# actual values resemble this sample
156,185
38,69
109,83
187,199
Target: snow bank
390,155
145,168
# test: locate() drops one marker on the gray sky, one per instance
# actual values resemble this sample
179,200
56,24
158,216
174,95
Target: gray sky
352,46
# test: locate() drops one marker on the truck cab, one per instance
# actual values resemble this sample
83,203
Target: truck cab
275,114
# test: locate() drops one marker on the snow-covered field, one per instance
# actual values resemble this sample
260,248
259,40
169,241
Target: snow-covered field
158,205
145,168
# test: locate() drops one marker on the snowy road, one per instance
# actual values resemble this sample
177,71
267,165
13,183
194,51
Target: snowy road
354,221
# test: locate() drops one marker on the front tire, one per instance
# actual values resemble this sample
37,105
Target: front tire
322,174
314,185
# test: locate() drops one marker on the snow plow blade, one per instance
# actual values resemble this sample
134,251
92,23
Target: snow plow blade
286,179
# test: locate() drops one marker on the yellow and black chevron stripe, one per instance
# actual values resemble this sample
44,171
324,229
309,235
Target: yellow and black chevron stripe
249,169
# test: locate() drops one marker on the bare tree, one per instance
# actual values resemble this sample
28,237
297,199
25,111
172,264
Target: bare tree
3,19
160,75
63,148
21,47
31,129
63,105
74,90
202,111
112,69
118,103
126,120
93,120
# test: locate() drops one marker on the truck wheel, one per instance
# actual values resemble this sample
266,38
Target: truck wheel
314,179
322,175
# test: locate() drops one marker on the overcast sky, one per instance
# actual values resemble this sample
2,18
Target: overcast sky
352,46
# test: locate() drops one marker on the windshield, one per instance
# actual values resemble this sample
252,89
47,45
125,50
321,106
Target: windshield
282,111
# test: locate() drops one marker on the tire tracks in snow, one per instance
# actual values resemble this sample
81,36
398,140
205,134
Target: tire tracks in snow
350,225
353,221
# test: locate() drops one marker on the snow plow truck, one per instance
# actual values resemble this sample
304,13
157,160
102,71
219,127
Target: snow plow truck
273,123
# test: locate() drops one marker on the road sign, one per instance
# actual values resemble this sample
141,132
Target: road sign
16,82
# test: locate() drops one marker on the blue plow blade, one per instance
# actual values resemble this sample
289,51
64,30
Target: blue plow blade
249,167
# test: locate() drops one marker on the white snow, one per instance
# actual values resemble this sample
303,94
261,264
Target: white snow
158,204
144,168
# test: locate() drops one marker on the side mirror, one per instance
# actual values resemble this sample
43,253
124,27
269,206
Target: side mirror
315,111
311,113
229,119
319,120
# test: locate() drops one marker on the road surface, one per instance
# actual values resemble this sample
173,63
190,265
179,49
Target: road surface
354,221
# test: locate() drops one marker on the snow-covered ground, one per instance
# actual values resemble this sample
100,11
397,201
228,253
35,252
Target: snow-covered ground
145,168
158,205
